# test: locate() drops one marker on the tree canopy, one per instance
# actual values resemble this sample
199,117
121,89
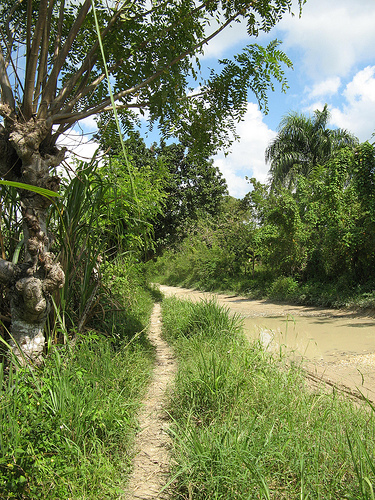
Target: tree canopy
62,61
191,185
52,71
301,144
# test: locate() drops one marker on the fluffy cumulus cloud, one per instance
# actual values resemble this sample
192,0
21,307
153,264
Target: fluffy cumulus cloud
327,87
247,156
333,36
89,124
358,110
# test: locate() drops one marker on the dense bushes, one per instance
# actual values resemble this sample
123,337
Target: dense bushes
313,244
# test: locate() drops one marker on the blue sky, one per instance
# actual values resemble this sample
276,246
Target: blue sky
332,49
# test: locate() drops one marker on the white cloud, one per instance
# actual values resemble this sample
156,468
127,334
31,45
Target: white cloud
232,35
358,110
362,87
78,145
327,87
247,157
333,36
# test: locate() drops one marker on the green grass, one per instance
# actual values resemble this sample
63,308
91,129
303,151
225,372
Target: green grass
245,426
194,268
66,430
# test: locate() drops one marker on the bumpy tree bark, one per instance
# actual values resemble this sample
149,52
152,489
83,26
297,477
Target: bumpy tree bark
26,156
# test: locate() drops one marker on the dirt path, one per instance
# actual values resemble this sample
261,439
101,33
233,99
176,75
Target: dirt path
151,463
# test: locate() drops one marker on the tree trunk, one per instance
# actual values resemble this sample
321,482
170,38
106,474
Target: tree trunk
28,160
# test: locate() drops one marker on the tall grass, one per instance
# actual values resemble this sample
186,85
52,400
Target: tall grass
245,425
66,431
67,428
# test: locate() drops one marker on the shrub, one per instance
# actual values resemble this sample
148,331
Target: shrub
284,287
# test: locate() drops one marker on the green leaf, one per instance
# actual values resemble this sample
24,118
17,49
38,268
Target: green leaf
28,187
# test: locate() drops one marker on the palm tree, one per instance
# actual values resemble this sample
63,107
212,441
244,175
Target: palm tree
301,144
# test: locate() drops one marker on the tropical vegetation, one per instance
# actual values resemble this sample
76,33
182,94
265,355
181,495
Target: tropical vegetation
303,143
62,62
70,421
307,235
80,242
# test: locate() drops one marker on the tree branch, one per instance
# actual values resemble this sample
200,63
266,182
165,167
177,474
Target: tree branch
59,30
9,40
42,67
86,67
6,88
67,117
50,88
28,26
91,57
32,60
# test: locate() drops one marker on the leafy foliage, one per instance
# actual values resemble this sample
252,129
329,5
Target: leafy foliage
301,144
313,243
190,185
151,51
194,188
98,223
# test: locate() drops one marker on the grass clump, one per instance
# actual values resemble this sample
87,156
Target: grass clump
245,425
67,427
66,430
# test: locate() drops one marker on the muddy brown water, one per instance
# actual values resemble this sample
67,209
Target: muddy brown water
337,346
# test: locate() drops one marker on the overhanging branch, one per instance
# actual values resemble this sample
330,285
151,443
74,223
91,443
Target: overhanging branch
67,117
90,60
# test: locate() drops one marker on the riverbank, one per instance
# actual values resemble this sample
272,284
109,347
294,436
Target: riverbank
246,425
334,345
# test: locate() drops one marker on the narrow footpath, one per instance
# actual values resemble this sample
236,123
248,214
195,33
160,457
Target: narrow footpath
151,463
